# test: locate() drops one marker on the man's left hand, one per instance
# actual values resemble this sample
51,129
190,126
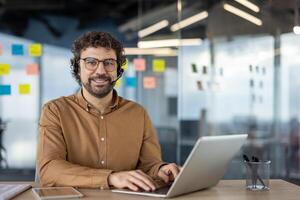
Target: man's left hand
169,172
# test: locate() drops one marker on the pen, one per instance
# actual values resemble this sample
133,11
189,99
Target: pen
254,170
254,174
250,166
255,159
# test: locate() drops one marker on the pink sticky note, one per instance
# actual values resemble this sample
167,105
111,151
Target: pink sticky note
149,82
32,69
139,64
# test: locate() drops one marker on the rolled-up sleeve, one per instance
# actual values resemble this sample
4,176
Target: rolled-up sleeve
52,165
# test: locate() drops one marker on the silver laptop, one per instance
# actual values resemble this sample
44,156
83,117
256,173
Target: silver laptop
204,167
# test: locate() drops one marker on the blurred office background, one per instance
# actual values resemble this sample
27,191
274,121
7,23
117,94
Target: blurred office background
205,67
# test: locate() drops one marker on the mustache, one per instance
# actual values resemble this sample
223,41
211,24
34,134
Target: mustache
102,77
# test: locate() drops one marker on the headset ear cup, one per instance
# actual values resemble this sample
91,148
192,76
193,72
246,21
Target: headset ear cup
121,71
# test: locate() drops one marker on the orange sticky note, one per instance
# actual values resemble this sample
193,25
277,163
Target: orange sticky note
35,49
32,69
158,65
24,88
139,64
149,82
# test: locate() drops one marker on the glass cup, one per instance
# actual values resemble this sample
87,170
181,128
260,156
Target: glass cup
257,175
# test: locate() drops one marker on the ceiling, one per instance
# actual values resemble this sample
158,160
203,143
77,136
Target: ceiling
133,15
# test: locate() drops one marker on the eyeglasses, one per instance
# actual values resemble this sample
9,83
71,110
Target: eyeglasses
92,64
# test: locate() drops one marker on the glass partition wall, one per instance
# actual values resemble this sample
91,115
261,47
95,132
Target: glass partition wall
242,78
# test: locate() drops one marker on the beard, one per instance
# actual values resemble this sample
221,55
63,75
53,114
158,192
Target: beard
97,89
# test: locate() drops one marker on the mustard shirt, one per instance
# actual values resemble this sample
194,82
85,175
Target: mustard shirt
80,147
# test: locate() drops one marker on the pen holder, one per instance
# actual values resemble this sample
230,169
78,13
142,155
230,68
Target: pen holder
257,175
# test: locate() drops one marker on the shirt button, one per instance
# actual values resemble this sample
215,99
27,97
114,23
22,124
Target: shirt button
101,117
102,162
102,139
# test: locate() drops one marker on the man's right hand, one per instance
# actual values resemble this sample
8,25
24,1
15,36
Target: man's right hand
133,180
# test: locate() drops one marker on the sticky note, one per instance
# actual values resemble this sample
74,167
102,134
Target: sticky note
17,49
24,88
149,82
32,69
158,65
118,83
139,64
131,82
5,89
1,49
125,65
4,69
35,49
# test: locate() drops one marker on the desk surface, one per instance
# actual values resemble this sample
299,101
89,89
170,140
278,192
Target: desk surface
226,189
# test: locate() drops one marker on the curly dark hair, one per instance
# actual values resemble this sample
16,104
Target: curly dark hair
95,39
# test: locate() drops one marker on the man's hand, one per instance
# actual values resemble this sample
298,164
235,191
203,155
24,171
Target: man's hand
133,180
169,172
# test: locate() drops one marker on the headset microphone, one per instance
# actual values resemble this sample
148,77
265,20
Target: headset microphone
118,77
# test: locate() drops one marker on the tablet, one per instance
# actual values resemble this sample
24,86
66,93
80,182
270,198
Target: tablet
56,193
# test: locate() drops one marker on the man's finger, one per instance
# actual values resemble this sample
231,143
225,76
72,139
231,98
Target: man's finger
174,170
140,183
144,179
144,174
164,176
131,186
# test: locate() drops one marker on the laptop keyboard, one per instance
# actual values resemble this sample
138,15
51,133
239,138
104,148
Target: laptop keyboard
162,187
8,191
163,190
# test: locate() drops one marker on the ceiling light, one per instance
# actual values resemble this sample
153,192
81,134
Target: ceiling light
151,51
153,28
169,43
296,30
188,21
249,5
242,14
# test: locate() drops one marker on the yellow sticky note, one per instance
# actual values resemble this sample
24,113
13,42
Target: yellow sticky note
125,65
24,88
4,69
158,65
35,49
118,83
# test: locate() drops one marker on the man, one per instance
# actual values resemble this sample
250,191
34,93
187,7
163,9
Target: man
96,138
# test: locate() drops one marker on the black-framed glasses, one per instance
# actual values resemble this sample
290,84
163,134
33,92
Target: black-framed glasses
92,64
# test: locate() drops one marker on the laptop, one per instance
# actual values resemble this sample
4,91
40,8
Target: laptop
203,168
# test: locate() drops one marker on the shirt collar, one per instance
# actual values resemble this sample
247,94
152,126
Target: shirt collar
87,106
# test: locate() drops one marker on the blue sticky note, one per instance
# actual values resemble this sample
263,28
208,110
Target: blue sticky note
17,49
5,90
131,82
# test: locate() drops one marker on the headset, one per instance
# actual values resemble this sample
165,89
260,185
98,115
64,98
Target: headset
120,72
